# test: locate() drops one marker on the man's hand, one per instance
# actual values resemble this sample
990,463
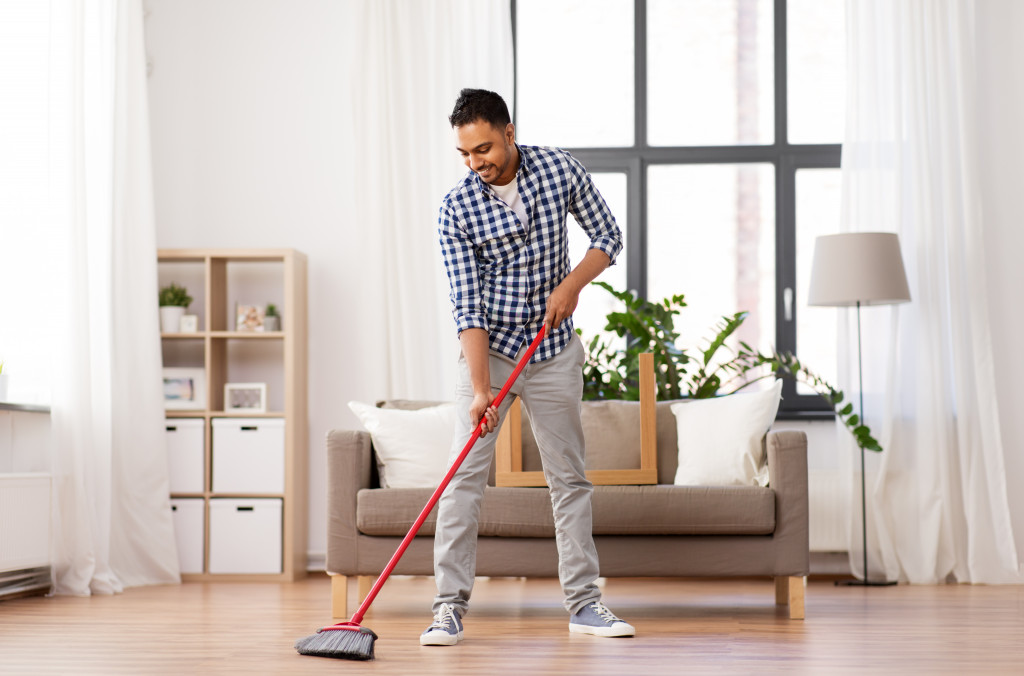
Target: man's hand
480,407
561,304
562,301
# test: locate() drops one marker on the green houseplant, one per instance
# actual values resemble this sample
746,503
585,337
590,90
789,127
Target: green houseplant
271,319
174,299
612,370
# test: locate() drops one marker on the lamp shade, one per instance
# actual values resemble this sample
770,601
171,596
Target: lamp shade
864,267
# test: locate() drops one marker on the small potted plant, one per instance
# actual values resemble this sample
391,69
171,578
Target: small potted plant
3,383
271,320
174,300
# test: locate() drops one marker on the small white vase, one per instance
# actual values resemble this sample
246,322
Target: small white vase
271,324
170,318
3,386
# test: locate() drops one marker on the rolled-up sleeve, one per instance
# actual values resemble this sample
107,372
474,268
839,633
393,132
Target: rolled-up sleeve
592,213
461,266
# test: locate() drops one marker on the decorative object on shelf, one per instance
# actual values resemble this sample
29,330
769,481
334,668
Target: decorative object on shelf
184,388
174,300
854,269
272,320
249,317
189,324
3,383
245,397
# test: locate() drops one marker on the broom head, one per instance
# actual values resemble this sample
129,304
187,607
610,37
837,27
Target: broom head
346,641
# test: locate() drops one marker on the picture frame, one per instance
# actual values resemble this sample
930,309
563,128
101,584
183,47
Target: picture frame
189,324
245,397
184,389
250,317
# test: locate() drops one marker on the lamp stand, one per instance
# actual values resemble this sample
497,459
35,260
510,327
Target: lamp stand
863,480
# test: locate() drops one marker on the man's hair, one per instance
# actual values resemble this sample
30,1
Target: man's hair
479,104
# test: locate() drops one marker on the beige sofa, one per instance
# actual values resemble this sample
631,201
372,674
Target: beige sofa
658,530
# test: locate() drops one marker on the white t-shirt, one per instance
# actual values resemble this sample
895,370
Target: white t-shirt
509,194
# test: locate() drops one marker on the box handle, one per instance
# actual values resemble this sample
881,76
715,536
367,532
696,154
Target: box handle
250,428
245,509
172,428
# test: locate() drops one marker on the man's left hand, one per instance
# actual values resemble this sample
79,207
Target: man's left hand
561,304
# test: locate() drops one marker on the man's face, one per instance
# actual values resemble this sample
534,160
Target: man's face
488,151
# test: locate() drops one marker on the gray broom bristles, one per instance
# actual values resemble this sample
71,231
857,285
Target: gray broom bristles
346,644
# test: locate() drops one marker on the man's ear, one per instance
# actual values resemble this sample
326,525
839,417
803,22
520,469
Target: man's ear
510,132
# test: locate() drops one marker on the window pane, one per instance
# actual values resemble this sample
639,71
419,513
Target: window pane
710,74
711,237
816,37
574,72
817,213
595,303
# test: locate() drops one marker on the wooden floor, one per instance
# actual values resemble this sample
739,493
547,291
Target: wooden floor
519,627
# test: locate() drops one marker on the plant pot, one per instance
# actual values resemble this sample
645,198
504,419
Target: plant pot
170,318
271,323
3,386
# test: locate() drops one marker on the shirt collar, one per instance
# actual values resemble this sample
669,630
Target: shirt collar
525,167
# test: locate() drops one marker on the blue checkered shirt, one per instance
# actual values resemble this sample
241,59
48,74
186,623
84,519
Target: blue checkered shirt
501,270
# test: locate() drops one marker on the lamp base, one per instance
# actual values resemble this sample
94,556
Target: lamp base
865,583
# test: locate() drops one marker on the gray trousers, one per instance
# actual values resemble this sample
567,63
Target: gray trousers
550,391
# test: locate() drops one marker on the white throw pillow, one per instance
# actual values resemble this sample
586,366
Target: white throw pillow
412,446
720,439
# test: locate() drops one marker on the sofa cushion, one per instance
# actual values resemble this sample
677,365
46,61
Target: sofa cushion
618,510
412,446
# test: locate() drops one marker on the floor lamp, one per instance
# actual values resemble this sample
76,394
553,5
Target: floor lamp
855,269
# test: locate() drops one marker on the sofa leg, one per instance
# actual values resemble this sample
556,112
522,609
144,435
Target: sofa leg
365,585
339,596
789,591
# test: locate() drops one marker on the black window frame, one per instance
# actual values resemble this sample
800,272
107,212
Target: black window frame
787,159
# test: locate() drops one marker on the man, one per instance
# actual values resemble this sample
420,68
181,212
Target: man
505,246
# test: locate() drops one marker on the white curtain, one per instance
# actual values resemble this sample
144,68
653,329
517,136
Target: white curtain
938,504
411,60
112,512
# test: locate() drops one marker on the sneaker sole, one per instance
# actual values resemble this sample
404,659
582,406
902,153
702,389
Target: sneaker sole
440,638
607,632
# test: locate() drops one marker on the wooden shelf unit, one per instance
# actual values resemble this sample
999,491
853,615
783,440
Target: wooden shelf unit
215,336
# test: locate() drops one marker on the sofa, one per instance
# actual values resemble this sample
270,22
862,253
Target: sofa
654,530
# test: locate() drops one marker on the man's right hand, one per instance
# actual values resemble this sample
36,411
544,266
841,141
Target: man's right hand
481,408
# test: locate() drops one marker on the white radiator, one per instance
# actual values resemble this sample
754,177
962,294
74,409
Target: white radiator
828,522
24,522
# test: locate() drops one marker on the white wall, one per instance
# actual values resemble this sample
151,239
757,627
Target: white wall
251,116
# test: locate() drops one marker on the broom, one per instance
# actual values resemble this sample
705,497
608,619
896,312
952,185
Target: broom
351,641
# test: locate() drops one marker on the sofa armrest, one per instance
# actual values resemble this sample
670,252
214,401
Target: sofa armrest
787,476
349,460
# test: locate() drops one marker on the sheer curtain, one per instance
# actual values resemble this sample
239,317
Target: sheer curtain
112,524
411,60
938,504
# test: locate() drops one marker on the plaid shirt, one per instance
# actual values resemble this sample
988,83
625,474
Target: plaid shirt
501,270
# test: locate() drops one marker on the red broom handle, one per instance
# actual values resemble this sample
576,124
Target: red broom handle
365,605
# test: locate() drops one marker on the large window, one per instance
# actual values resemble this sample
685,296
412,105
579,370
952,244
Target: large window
713,128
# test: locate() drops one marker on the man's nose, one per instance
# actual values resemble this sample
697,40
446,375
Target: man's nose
475,162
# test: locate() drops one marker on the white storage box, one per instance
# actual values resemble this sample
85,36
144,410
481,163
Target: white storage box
248,455
187,515
245,535
185,459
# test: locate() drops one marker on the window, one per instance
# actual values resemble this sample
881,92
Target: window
713,128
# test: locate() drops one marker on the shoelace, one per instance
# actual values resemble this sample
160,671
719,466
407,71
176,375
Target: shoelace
445,617
604,613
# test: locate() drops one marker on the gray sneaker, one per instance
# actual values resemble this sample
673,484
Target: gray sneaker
446,629
596,619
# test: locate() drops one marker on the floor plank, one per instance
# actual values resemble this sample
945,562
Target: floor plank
518,626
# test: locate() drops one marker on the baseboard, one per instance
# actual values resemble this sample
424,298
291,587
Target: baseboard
316,562
830,564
